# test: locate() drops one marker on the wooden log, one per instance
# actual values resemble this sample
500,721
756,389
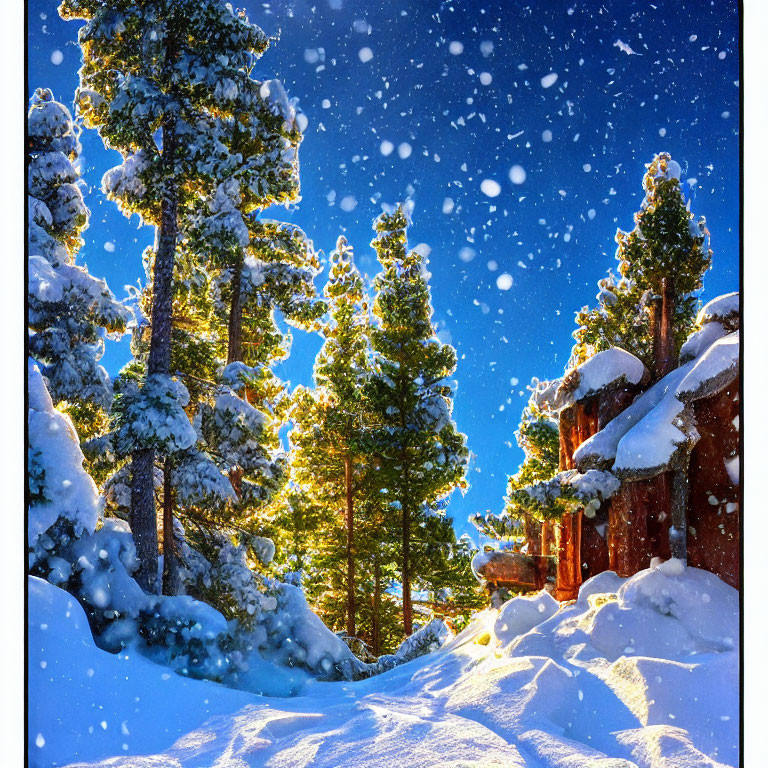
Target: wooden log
547,539
569,557
578,422
515,570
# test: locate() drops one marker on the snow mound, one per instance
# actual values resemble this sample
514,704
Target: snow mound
86,703
703,605
58,484
638,673
521,614
603,583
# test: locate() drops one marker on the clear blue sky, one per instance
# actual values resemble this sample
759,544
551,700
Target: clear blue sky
461,85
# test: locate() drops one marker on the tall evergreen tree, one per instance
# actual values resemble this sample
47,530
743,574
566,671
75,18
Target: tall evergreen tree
330,421
650,309
70,311
422,455
668,253
538,436
167,83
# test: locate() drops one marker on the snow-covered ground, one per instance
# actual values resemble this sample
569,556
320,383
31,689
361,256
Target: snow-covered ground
638,672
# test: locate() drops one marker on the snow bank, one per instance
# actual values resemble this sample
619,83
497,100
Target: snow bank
58,484
603,583
638,673
85,703
704,606
521,614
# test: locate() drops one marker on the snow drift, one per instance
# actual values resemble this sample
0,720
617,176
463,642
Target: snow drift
637,673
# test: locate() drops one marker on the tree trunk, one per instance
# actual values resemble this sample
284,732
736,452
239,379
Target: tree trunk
656,341
171,576
376,623
236,480
350,548
143,515
547,538
666,329
235,324
143,518
406,575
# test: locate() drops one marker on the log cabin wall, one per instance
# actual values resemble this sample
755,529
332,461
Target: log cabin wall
638,524
611,404
578,422
713,502
585,544
636,520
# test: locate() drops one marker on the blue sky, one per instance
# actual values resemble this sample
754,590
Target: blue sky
427,100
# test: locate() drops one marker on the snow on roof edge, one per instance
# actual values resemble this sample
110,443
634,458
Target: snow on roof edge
721,309
610,369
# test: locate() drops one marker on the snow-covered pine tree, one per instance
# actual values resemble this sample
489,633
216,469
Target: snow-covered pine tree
164,82
620,319
423,457
667,253
276,275
444,565
193,487
538,436
331,421
69,310
258,267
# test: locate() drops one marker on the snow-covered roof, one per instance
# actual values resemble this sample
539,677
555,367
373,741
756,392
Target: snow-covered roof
712,371
644,439
723,309
700,341
602,447
611,368
649,446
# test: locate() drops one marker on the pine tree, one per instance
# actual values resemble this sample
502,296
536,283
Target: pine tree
444,566
621,319
668,253
70,311
168,85
538,436
650,309
331,420
422,455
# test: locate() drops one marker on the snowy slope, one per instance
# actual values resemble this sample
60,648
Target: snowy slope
645,677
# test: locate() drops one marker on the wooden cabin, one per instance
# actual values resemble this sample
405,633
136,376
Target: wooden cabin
672,445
